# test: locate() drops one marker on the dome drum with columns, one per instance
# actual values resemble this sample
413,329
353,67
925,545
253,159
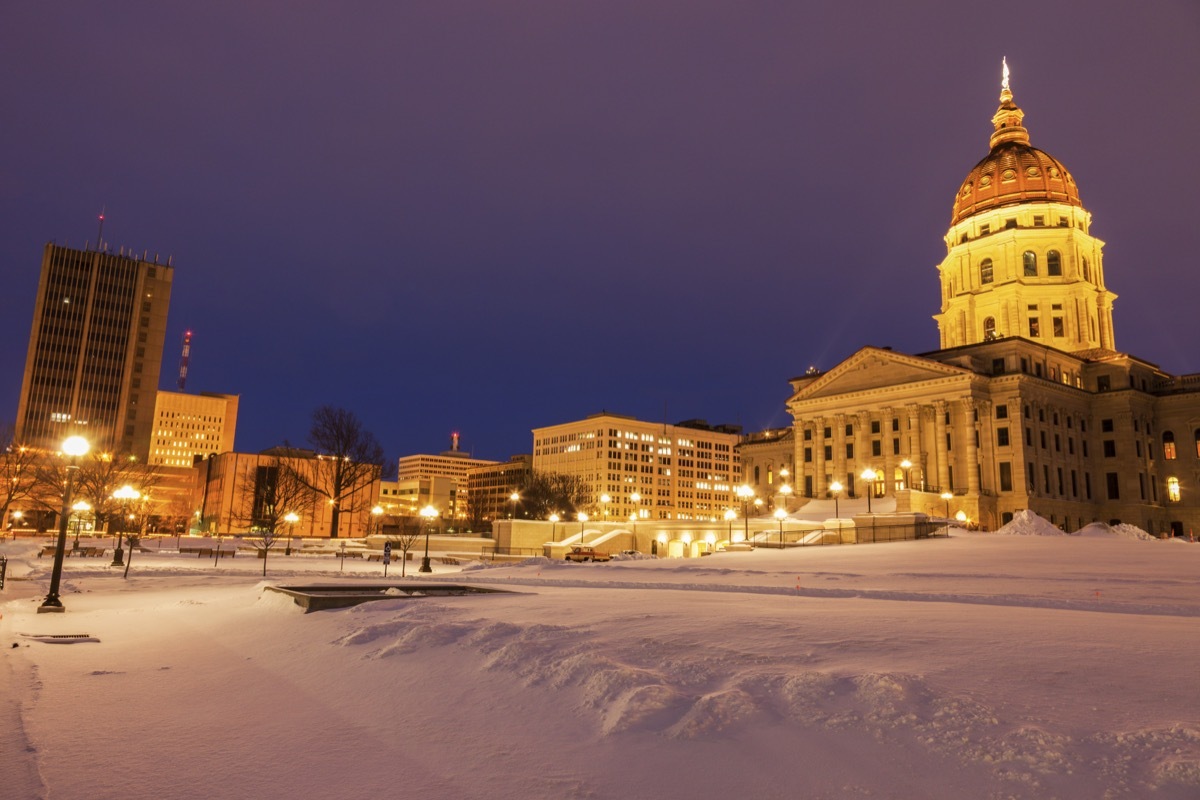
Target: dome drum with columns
1020,258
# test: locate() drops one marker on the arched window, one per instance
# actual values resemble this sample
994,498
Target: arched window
1029,259
1053,263
989,329
985,271
1168,440
1087,273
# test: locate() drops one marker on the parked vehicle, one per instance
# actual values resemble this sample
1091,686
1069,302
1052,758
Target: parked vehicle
579,554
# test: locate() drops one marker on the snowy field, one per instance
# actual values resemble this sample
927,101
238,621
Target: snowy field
975,666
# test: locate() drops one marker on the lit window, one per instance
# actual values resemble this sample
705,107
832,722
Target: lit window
1029,259
985,271
989,329
1053,263
1173,489
1168,441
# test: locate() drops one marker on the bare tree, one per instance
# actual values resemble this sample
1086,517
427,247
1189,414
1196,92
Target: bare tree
410,531
263,498
546,493
348,461
18,471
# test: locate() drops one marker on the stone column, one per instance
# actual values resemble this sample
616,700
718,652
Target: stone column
839,446
889,458
912,447
967,436
939,445
818,456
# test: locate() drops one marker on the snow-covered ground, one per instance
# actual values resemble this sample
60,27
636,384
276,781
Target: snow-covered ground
974,666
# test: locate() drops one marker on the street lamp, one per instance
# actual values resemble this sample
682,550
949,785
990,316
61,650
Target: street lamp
582,517
781,515
906,465
73,448
786,492
82,507
16,522
869,475
947,496
428,512
291,519
961,517
554,527
730,516
745,493
126,495
514,498
604,501
377,519
835,489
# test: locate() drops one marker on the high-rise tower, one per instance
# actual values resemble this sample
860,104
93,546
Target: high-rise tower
1020,257
95,350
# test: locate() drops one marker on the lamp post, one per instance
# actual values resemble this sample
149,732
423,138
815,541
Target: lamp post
582,517
636,499
125,495
16,522
428,512
961,518
82,507
514,498
906,465
73,448
730,516
604,501
869,475
786,492
835,489
947,496
291,519
780,515
377,519
744,492
554,527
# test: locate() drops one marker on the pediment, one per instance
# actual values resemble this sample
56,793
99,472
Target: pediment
874,368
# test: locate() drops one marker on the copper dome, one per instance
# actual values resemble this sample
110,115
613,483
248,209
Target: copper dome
1013,171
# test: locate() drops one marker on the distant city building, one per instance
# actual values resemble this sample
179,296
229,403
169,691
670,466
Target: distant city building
187,426
768,462
685,471
448,494
490,487
95,350
1028,405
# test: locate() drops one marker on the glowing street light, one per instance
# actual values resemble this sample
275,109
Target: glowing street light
785,491
514,498
869,475
428,512
730,516
554,529
73,447
16,522
781,515
604,501
947,496
906,465
125,495
745,493
582,517
835,489
291,519
80,508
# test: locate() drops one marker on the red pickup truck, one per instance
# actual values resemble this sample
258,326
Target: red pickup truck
578,554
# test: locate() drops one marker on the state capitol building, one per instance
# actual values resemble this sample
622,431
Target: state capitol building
1029,403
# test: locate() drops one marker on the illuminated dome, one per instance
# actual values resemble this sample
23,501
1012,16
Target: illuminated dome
1013,171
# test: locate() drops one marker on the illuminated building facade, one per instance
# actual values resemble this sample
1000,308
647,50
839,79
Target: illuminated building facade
685,471
439,480
187,426
1028,405
95,349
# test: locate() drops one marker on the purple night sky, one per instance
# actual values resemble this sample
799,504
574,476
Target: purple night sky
489,216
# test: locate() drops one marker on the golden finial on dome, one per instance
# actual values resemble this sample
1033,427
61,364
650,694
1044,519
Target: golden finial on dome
1004,80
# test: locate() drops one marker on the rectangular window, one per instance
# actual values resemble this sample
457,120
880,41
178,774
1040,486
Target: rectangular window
1039,221
828,432
1142,485
895,447
849,430
1074,484
1005,476
1030,474
808,455
1060,482
895,424
1106,426
1110,448
829,452
1002,437
849,449
1002,412
1059,328
1087,485
1046,477
875,426
997,366
1114,485
1042,436
1173,490
876,447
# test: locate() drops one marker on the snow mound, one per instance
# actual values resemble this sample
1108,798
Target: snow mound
536,561
1121,531
1027,523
